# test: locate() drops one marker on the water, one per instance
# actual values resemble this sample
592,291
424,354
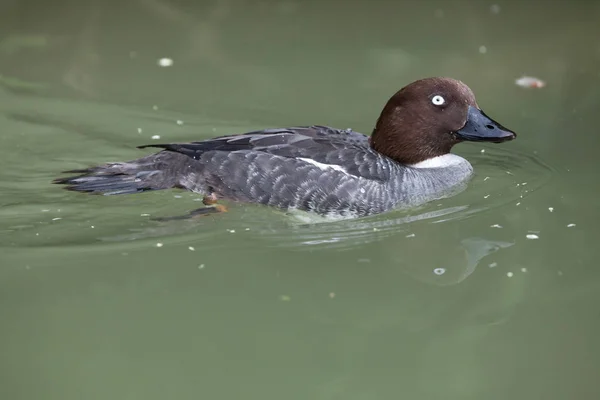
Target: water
448,301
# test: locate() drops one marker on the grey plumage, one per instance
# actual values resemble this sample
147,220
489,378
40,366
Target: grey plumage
316,168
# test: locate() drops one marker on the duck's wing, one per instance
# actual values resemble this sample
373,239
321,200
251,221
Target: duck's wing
320,145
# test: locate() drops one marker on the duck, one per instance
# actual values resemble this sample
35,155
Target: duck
405,162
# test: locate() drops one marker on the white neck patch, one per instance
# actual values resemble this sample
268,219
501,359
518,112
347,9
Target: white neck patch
446,160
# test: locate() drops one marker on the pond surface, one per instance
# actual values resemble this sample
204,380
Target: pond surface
490,294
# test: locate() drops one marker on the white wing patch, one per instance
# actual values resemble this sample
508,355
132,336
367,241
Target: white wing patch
324,167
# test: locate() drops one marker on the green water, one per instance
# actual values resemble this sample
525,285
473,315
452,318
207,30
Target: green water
449,301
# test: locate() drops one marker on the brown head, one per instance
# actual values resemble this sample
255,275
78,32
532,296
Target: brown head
426,118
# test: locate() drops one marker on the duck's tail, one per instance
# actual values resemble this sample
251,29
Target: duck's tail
154,172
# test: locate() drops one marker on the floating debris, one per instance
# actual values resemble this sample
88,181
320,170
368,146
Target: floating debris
486,196
571,225
523,269
509,274
56,219
331,295
551,209
439,271
482,49
411,235
493,265
191,248
231,230
483,150
496,226
159,244
201,266
144,215
532,236
486,178
530,82
155,137
165,62
179,122
139,130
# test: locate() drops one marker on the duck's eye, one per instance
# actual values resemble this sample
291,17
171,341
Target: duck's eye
438,100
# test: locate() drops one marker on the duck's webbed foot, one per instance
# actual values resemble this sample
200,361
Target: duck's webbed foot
211,208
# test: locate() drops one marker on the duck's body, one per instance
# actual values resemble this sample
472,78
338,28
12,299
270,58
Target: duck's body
318,169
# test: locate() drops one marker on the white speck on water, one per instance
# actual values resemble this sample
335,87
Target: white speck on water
45,210
509,173
231,230
201,266
331,295
551,209
165,62
496,226
495,9
37,234
178,196
571,225
56,219
532,236
530,82
139,130
362,190
92,226
439,271
155,137
523,269
247,229
493,265
191,248
144,215
524,183
483,150
486,178
411,235
179,122
159,244
518,204
509,274
375,230
214,129
482,49
155,107
486,196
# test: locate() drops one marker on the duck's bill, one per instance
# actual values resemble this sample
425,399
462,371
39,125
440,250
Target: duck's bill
481,128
